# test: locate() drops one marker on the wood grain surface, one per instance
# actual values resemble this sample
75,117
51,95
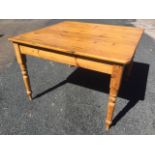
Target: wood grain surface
105,42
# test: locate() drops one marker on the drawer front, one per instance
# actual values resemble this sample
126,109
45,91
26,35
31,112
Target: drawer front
67,59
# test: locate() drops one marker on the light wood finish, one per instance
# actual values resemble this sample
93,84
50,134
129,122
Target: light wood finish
103,48
22,63
103,42
115,82
68,59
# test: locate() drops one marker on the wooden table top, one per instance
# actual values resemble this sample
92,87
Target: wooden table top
104,42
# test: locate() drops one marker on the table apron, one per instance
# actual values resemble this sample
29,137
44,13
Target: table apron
60,57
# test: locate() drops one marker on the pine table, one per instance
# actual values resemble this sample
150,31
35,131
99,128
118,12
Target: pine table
99,47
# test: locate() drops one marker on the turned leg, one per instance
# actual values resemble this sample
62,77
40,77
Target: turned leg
22,62
114,88
129,69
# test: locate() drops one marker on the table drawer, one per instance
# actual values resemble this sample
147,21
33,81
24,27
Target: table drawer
67,59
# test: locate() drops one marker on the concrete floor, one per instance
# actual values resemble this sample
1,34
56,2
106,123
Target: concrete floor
70,100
